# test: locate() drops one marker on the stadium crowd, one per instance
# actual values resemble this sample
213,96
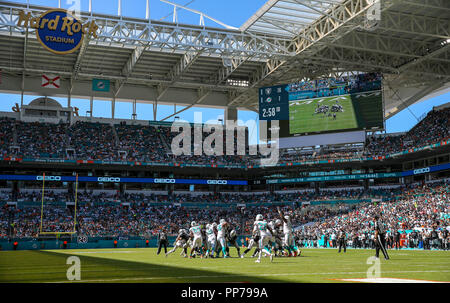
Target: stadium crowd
42,140
140,143
97,141
6,135
433,128
92,141
417,208
349,193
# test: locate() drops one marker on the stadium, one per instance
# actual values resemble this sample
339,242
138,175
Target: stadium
324,194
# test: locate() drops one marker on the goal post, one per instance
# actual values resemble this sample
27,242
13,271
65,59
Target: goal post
57,233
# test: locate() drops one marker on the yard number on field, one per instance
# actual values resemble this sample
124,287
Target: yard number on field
74,271
374,271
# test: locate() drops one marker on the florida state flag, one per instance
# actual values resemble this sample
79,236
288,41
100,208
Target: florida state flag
51,81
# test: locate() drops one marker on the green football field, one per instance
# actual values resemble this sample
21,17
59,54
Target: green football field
302,117
143,265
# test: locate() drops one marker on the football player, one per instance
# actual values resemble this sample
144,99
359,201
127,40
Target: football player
197,241
254,240
232,239
288,240
210,240
180,242
278,242
265,233
221,237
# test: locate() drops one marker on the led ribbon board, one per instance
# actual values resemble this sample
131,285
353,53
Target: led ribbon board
419,171
121,180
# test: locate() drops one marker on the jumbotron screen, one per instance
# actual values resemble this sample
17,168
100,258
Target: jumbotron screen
325,105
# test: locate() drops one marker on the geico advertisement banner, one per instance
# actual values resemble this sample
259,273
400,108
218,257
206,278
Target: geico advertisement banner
426,170
121,180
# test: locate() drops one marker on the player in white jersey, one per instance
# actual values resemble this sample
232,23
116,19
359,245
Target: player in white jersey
221,237
265,234
288,240
210,240
180,242
271,224
253,242
196,233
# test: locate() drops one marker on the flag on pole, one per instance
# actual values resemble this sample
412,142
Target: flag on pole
99,85
51,81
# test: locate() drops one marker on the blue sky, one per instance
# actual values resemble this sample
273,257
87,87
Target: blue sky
224,11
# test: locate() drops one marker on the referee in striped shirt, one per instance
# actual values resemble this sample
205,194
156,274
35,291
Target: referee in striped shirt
162,241
380,240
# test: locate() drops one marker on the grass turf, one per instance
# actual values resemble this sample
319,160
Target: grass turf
143,265
302,118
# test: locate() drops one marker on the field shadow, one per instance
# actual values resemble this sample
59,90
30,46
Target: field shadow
49,266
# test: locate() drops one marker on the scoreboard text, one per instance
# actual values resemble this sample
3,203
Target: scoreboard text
273,103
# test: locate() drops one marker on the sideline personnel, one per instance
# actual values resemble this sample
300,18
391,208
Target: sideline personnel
380,238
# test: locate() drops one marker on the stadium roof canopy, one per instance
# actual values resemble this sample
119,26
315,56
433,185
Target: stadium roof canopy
288,17
286,40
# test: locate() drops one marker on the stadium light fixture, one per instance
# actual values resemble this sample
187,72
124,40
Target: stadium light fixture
445,42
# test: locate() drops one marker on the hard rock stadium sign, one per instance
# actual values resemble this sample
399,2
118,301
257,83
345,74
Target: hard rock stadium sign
57,30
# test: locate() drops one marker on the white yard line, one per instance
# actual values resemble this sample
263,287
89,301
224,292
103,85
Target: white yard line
102,252
388,280
224,275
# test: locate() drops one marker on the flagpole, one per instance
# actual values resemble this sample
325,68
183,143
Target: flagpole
42,206
76,198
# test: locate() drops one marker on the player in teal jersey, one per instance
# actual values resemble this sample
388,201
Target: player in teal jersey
221,237
265,233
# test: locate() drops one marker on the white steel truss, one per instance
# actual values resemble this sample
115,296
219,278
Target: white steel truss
162,36
286,40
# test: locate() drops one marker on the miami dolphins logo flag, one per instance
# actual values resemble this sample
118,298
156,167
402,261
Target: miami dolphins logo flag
99,85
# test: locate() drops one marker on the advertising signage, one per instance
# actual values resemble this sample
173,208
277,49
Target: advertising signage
121,180
413,172
57,30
